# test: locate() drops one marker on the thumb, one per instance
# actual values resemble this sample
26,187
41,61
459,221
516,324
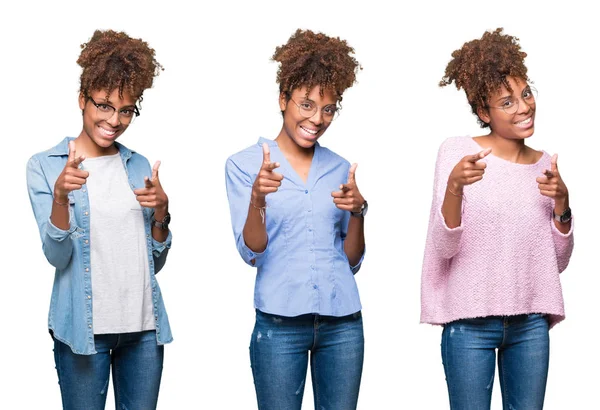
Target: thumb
72,152
155,171
352,173
266,153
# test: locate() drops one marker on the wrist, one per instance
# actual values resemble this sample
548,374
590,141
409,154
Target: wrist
454,187
160,213
560,205
61,197
258,200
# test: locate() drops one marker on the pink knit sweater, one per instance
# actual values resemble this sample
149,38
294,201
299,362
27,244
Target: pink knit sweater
506,256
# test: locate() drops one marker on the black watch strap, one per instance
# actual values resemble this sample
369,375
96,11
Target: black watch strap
164,223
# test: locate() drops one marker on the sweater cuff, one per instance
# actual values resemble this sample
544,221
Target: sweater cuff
446,240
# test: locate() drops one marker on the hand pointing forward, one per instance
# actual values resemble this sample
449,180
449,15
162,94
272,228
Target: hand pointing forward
348,197
267,181
468,171
153,195
71,178
552,185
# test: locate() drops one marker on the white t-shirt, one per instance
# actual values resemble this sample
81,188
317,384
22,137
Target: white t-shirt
121,288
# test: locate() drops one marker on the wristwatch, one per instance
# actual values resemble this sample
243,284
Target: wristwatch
164,224
363,211
564,217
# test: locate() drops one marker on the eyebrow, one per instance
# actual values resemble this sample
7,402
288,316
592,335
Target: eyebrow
526,88
108,102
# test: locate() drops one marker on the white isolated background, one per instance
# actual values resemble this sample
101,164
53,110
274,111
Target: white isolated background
216,96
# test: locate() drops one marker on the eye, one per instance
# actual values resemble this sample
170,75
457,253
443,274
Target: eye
508,103
527,94
330,110
105,108
127,112
306,105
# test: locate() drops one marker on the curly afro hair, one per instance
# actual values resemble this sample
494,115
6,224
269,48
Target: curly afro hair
311,59
480,67
113,60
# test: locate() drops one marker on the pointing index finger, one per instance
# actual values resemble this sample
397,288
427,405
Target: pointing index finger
155,170
352,173
480,155
553,165
266,153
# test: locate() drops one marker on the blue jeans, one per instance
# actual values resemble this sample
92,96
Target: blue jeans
469,354
136,361
279,352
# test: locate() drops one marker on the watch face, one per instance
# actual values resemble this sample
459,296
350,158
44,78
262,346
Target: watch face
167,219
365,208
566,216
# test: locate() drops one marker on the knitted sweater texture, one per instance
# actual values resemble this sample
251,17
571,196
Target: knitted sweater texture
505,257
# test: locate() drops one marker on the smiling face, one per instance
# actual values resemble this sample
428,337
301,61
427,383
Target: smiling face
517,125
302,130
101,129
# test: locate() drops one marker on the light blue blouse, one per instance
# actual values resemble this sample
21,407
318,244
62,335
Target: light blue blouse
304,268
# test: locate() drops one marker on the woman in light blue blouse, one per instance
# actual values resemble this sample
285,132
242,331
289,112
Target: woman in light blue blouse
103,220
298,217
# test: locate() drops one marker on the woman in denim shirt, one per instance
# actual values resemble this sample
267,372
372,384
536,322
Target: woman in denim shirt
103,220
298,217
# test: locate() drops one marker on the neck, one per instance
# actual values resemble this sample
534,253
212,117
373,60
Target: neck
513,150
86,146
289,147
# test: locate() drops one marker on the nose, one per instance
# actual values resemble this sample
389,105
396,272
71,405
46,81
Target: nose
114,119
317,118
524,107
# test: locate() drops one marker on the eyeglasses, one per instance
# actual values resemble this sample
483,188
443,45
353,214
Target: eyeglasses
308,108
105,112
511,106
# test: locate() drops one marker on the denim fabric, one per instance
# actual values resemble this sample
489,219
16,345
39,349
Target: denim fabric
304,268
279,354
469,354
136,361
70,317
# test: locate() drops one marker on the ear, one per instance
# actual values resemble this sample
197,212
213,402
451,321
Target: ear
484,115
282,101
81,101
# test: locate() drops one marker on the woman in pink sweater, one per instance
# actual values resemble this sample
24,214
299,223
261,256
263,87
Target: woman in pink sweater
500,232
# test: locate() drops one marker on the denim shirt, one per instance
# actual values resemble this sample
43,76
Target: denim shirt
70,318
304,268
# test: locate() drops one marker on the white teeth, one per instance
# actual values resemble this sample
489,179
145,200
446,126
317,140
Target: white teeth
527,121
107,132
313,132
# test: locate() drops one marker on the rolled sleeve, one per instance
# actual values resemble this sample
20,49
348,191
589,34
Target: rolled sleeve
56,243
239,189
248,255
160,251
356,267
